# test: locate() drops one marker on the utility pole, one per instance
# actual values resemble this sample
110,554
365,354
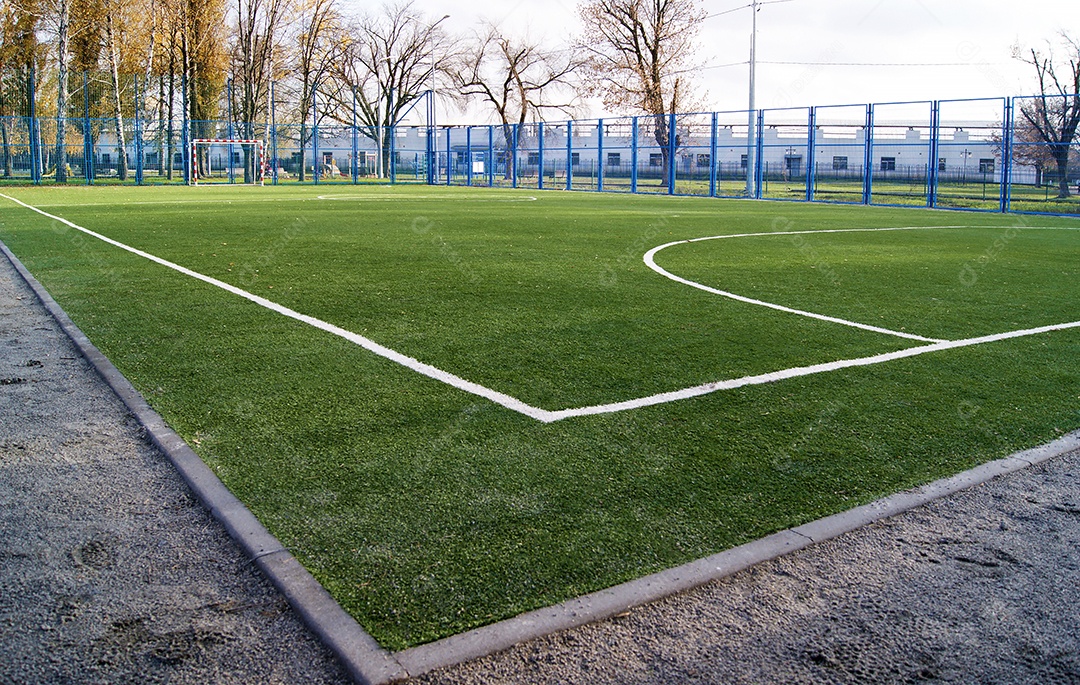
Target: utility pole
433,163
751,148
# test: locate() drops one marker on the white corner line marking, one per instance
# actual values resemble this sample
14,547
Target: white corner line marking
368,344
545,415
799,372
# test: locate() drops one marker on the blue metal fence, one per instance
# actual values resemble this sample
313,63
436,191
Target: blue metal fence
959,154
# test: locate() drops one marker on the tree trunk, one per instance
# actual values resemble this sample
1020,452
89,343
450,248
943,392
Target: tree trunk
61,91
114,64
303,151
663,140
510,136
1061,157
5,134
8,170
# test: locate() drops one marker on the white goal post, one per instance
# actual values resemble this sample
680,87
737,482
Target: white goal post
258,158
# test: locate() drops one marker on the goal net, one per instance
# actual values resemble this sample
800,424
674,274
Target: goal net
227,160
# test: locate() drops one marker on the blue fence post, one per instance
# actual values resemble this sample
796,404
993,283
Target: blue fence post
315,135
273,139
88,135
759,155
355,133
449,161
185,133
138,137
491,157
33,128
715,131
933,173
540,156
1007,128
673,146
569,155
868,157
600,155
633,154
811,153
468,155
230,132
432,162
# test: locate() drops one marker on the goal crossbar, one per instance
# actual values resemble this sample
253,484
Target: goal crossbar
260,161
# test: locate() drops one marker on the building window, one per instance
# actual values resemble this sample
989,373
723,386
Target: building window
614,159
656,159
986,166
704,161
839,163
888,163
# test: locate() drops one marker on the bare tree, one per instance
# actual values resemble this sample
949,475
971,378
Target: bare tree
516,77
1028,149
390,65
255,52
639,53
318,45
1054,113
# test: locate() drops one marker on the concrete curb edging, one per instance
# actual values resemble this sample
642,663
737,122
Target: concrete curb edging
359,653
367,662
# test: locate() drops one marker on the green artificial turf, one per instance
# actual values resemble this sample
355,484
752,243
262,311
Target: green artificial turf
426,510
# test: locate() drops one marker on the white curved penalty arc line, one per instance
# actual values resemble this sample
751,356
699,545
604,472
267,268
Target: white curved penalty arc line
650,261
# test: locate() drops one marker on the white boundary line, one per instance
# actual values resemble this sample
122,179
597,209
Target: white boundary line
545,415
515,199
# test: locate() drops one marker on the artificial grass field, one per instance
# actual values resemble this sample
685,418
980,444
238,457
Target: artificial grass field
426,510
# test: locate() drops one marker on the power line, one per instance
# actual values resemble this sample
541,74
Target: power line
743,7
880,64
720,66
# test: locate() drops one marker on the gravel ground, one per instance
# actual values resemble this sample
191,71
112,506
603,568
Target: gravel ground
110,571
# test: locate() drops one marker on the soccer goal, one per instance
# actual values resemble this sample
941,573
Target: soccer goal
227,160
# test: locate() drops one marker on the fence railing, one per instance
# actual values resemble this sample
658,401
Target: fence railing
962,154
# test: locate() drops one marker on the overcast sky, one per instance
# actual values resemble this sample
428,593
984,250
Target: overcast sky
967,41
